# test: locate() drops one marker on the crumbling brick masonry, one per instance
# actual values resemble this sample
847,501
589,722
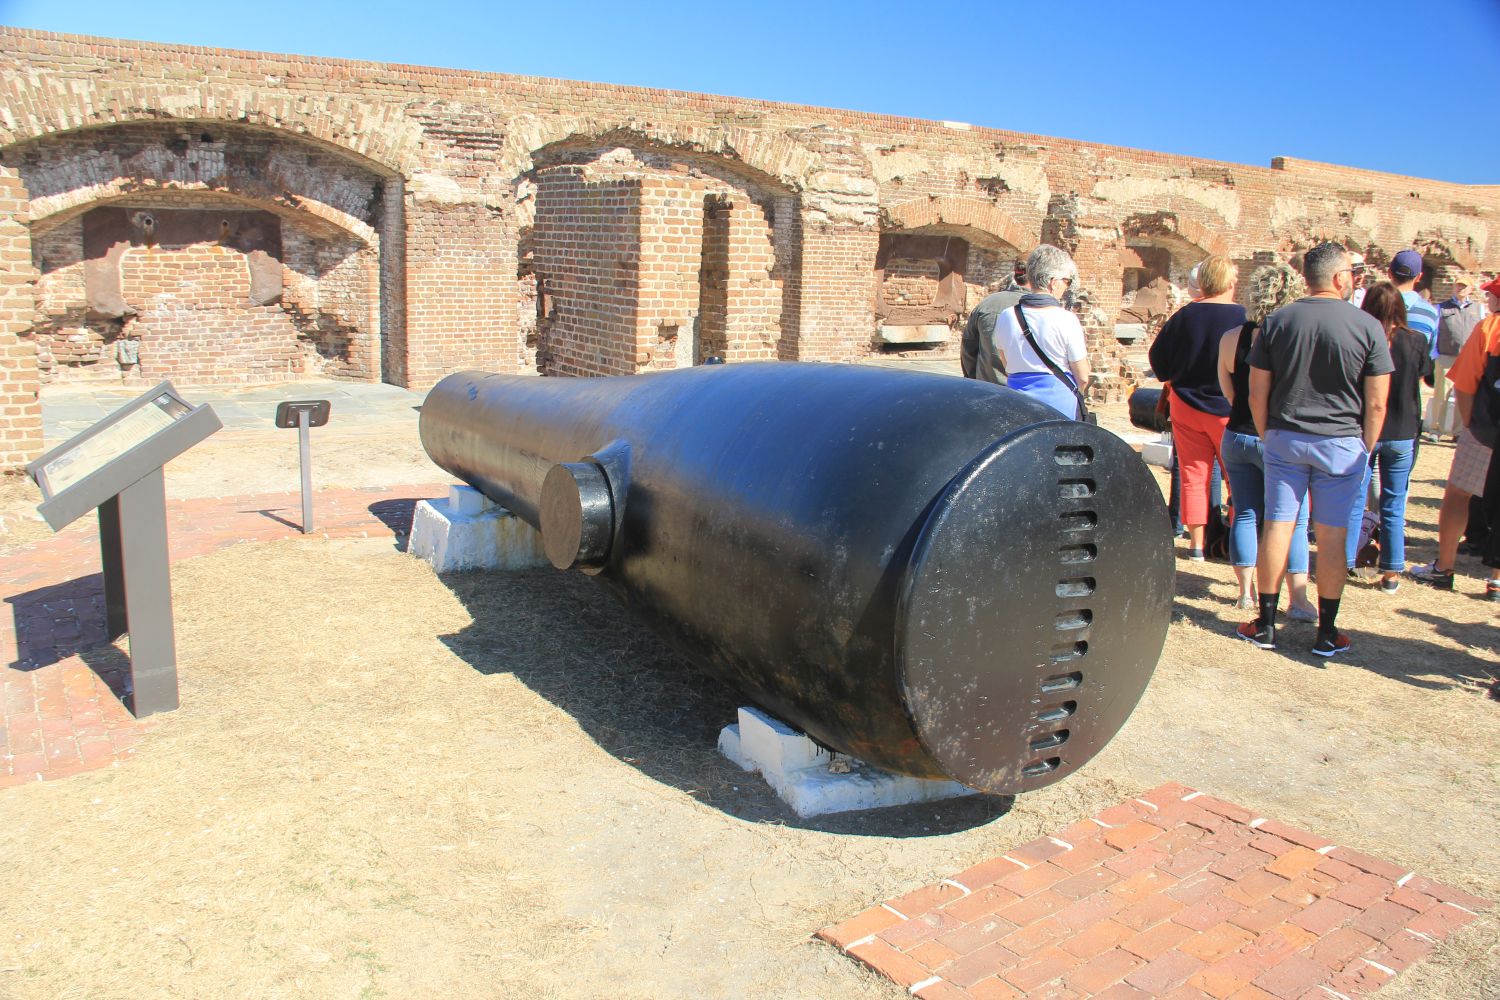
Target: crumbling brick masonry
216,216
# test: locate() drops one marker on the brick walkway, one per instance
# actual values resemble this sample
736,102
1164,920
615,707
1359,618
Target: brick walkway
62,684
1175,895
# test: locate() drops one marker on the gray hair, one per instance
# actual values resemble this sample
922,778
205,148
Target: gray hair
1046,264
1322,262
1272,287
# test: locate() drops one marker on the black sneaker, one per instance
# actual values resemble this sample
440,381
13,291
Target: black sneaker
1261,635
1432,576
1327,645
1492,589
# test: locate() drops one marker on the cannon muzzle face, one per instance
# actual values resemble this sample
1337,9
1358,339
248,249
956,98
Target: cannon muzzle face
1034,606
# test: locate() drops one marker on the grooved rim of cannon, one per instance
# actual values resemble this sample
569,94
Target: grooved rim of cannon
1034,606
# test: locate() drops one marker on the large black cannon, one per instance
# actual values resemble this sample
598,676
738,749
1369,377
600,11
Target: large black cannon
935,575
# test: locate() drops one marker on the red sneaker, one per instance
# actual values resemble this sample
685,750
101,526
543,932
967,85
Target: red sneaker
1262,635
1327,645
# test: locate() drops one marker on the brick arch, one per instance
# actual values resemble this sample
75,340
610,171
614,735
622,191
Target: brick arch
771,159
970,212
1444,250
1182,233
379,135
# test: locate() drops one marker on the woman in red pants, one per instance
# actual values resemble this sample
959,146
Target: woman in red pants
1185,355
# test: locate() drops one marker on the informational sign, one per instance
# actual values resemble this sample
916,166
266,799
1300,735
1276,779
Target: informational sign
90,454
115,467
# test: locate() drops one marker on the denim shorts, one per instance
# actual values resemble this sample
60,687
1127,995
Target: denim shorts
1329,469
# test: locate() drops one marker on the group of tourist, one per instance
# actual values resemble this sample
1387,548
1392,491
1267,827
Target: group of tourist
1309,400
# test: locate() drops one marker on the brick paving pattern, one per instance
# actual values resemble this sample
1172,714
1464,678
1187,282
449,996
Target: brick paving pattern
1175,894
61,687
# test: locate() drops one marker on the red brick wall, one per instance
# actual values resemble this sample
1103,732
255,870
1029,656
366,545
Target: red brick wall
588,249
671,257
196,323
752,298
20,412
460,291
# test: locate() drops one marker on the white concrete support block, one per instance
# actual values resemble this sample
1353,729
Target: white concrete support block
1158,452
815,782
468,531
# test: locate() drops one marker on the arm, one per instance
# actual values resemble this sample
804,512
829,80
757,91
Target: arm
1159,355
1260,398
1077,355
1226,363
1080,370
1465,401
1377,388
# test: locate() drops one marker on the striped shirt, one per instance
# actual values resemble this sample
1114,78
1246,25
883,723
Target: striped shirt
1422,316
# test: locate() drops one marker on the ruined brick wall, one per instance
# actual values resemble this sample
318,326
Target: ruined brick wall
437,242
588,246
669,291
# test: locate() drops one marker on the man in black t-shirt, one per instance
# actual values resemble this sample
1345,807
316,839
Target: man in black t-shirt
1319,375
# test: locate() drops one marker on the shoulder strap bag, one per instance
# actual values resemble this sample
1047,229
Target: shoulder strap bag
1083,409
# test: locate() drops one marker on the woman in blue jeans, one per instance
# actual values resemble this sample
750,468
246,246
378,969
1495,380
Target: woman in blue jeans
1395,452
1271,287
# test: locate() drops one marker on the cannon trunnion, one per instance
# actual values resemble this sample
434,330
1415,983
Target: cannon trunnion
935,575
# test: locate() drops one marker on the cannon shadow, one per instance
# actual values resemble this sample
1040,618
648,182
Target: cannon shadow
640,700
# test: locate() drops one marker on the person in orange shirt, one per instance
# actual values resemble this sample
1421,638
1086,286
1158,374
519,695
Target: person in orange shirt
1471,461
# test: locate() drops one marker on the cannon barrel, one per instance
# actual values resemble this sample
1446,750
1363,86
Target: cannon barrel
1144,413
935,575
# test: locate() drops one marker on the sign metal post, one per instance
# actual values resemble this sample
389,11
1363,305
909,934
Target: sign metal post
304,414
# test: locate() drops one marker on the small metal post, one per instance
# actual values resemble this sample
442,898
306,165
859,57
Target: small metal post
304,454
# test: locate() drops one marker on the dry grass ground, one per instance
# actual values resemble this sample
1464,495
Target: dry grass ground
387,784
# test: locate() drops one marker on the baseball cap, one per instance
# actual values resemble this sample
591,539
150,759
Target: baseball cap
1492,286
1406,264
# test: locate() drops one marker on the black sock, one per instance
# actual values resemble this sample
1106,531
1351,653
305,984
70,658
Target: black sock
1268,609
1328,610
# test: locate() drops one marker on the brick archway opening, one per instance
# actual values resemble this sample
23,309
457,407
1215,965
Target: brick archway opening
208,254
928,278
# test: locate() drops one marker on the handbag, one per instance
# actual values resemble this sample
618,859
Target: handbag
1083,409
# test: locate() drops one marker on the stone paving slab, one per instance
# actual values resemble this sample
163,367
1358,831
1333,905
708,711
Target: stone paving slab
1175,894
62,684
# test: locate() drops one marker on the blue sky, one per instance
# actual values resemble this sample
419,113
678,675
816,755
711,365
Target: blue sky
1409,88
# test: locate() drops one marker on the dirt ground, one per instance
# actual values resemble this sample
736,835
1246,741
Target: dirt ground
383,783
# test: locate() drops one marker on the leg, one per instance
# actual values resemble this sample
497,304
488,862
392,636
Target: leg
1195,455
1356,518
1337,486
1174,499
1466,477
1395,478
1332,570
1248,483
1451,520
1440,366
1286,486
1270,567
1301,607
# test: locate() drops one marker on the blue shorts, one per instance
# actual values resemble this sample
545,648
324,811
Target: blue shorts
1331,469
